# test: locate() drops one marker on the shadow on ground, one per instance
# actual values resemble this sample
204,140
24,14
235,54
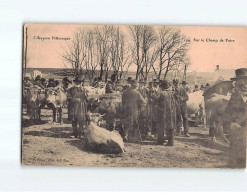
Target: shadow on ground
28,122
203,140
55,132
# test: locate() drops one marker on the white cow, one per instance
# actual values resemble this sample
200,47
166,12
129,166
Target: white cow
35,73
196,106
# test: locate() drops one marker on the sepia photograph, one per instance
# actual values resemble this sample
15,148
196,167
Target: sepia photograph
145,96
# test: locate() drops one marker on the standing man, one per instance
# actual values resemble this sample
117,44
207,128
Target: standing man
143,119
133,104
236,115
78,107
154,103
65,84
166,115
111,85
181,110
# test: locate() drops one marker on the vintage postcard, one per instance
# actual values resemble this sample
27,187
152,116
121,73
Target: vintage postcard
134,96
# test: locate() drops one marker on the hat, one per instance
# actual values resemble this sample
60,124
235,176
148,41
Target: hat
150,84
99,79
207,85
37,78
78,79
141,81
27,78
43,79
240,73
184,82
164,84
129,79
155,81
51,79
175,81
65,79
134,82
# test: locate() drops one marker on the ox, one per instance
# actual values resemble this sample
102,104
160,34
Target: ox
216,100
56,99
35,99
216,106
101,140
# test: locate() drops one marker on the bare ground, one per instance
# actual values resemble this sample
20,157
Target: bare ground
51,144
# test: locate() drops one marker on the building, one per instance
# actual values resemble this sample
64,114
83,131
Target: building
223,74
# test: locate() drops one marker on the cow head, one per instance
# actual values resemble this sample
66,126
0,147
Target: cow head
96,118
51,94
34,93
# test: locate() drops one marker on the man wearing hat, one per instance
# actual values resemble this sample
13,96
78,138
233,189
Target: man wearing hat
128,84
143,115
196,88
133,103
181,108
154,96
38,82
166,114
184,84
77,112
236,115
111,85
65,84
51,83
27,82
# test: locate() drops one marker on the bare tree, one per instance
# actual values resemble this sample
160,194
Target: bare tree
172,51
75,54
103,35
143,54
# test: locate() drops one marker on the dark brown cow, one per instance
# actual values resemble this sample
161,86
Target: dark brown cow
56,99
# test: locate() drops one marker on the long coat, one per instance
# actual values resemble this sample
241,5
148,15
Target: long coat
78,99
236,115
167,110
133,104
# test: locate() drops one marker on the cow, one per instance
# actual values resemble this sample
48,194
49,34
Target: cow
96,118
36,73
35,99
216,106
196,108
108,105
56,99
100,140
216,99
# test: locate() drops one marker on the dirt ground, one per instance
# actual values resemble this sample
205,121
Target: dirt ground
51,144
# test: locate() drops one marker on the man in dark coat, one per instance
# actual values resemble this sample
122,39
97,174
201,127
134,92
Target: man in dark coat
65,84
155,95
181,110
143,117
38,82
133,104
51,83
78,107
111,85
166,114
235,113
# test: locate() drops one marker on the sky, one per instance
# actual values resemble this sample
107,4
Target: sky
210,46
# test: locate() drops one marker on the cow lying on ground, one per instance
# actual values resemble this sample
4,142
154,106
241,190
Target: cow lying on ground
100,140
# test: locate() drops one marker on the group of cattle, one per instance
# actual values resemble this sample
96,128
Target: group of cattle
203,106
